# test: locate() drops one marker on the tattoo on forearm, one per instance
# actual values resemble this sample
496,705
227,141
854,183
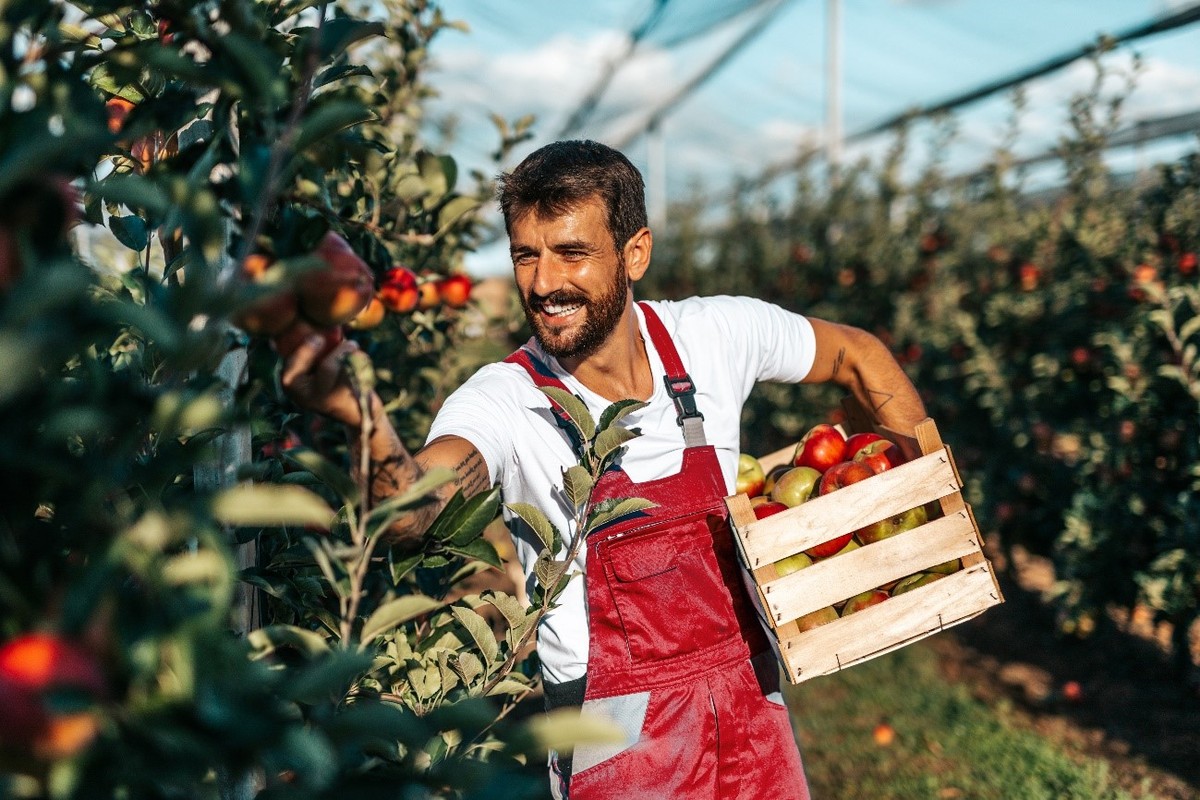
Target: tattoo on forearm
472,474
879,399
837,362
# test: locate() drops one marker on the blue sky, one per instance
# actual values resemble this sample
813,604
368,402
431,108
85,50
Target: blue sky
541,57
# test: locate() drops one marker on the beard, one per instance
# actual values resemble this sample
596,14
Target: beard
601,316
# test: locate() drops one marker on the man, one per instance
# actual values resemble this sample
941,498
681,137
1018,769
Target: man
659,636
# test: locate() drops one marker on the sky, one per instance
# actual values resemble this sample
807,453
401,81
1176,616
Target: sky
767,100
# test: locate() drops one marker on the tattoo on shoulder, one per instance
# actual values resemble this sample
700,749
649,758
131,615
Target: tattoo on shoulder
472,474
879,399
837,362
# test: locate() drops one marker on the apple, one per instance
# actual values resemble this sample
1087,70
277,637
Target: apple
815,618
904,521
369,317
750,476
766,508
795,486
31,667
847,547
773,476
870,597
821,448
117,109
335,295
398,292
915,582
857,441
947,567
843,474
427,293
793,563
879,456
883,734
272,315
455,290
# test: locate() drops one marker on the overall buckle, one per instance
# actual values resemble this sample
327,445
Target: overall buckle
683,392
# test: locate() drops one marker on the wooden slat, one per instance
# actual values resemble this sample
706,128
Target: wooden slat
835,579
848,509
890,625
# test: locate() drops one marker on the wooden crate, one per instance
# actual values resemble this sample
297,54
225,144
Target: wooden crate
904,618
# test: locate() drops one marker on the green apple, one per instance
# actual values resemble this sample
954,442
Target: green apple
915,582
947,567
795,563
795,486
893,525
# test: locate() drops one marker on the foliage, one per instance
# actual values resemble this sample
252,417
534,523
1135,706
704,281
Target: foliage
163,505
1052,333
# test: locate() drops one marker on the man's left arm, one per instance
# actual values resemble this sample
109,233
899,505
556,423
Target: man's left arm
860,363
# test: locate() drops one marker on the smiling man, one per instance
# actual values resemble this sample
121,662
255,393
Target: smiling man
659,636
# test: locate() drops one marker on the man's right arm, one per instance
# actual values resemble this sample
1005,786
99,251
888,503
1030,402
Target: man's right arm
321,385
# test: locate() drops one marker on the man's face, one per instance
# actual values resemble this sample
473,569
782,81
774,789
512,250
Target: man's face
571,278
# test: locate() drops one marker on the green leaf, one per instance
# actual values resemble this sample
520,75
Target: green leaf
433,174
134,191
614,509
326,678
339,33
270,505
468,666
1189,328
338,72
480,630
329,119
260,69
564,728
577,483
509,607
455,210
267,640
576,409
478,550
463,521
397,612
617,411
403,566
549,570
417,493
610,439
509,685
535,519
334,477
130,231
203,566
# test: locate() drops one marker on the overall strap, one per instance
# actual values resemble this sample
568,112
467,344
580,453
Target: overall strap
679,383
542,377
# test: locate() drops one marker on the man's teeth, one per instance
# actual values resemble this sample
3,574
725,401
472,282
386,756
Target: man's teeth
560,311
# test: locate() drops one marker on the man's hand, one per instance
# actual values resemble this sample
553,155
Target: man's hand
317,381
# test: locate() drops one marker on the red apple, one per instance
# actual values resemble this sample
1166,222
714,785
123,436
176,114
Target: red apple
399,290
793,563
427,293
750,476
795,486
816,618
904,521
857,441
31,667
454,290
286,343
879,456
766,508
370,317
883,734
335,295
860,601
843,474
821,448
272,315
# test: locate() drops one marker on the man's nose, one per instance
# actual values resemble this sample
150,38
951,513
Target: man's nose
549,274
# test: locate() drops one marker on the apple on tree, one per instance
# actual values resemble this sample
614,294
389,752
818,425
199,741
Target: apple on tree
398,292
335,295
454,290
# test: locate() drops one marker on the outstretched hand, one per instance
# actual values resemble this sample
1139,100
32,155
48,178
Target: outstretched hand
315,378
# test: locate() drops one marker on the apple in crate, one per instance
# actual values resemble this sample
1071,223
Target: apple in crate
860,601
915,582
795,486
765,507
815,618
750,476
879,456
821,448
898,523
793,563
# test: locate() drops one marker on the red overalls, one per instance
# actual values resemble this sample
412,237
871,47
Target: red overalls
672,635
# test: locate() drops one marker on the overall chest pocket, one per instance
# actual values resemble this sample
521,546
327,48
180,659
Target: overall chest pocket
667,590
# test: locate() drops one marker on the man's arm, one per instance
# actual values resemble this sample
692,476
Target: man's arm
321,385
858,362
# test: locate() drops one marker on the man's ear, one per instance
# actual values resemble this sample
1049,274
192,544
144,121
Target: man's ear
637,254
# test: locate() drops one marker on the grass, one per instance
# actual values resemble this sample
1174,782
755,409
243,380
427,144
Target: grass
947,744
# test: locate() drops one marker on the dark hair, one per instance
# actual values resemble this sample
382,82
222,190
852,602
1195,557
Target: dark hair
560,176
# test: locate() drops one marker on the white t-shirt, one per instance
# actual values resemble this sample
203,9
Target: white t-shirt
727,344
